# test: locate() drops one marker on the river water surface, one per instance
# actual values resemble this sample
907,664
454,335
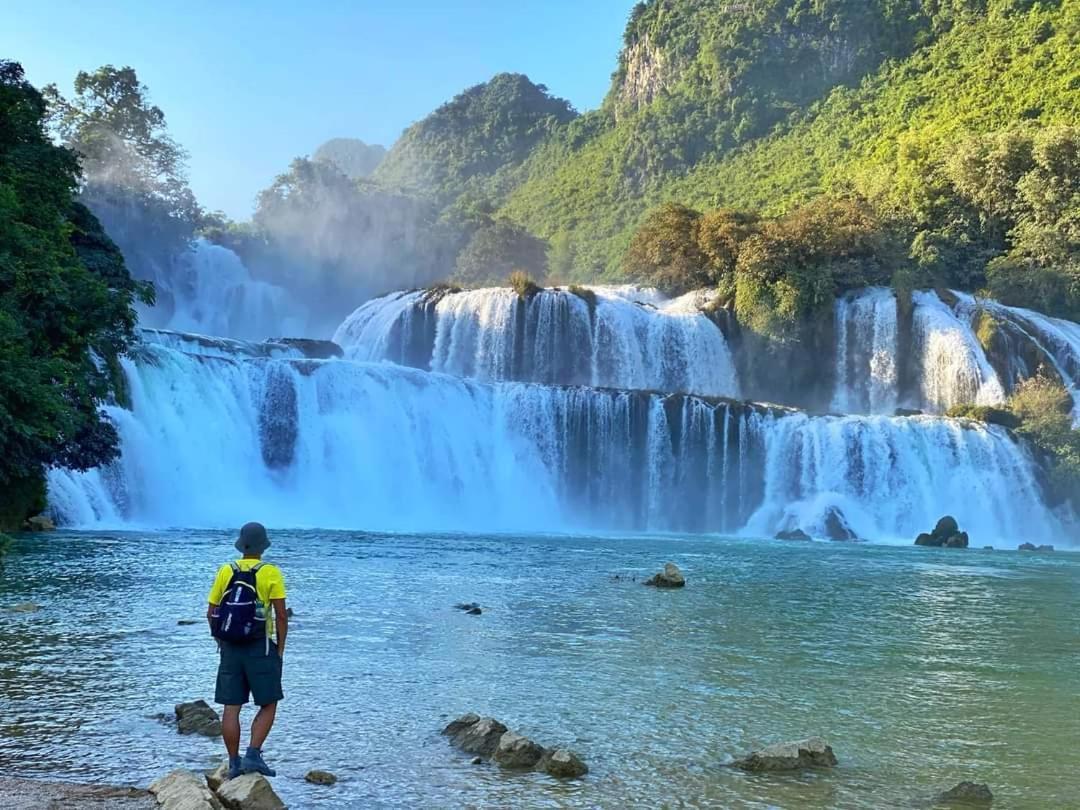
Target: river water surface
922,667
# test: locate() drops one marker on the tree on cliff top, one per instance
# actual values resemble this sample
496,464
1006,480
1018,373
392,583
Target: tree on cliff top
65,308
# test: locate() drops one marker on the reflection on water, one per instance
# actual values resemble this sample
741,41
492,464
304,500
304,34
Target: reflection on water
922,667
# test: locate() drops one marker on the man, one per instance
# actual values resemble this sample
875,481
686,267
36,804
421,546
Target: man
251,662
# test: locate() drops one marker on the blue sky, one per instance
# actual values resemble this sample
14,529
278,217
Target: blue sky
247,86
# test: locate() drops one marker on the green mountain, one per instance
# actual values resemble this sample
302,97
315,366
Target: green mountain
472,143
761,105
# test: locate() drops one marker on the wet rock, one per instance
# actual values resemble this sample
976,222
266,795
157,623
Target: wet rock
813,752
467,606
184,790
1026,547
312,349
946,527
39,523
670,577
968,792
187,622
249,792
517,752
907,412
563,764
1045,548
793,534
988,548
320,777
958,540
476,736
836,526
197,718
946,534
289,612
478,761
474,611
219,776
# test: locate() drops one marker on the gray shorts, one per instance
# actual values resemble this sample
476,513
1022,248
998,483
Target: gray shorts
246,670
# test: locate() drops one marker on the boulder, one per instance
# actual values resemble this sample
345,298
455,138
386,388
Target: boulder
562,764
515,751
1026,547
466,606
480,736
836,526
946,527
793,534
813,752
907,412
40,523
958,540
1045,548
320,777
184,790
188,622
312,348
197,718
967,792
670,577
925,539
219,776
249,792
474,611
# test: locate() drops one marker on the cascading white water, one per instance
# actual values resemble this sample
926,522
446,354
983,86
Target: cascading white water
218,440
628,339
211,292
954,368
866,353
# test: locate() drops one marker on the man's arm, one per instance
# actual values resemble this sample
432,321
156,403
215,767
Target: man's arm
210,608
281,623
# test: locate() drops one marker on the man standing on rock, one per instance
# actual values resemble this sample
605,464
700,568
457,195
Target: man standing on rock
247,606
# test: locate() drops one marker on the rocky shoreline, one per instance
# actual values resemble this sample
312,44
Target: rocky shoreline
34,794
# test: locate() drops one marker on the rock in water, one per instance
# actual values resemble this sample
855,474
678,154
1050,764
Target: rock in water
925,539
793,534
476,736
563,764
320,777
515,751
219,776
958,540
813,752
197,718
670,577
836,526
184,790
1026,547
40,523
967,792
249,792
946,527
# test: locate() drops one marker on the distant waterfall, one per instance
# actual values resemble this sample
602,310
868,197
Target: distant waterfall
866,353
216,437
210,291
626,338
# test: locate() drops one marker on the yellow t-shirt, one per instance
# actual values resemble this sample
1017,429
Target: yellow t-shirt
269,584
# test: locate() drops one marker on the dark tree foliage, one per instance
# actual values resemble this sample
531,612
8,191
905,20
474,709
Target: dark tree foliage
65,307
498,249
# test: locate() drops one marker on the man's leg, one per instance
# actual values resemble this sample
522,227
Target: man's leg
262,724
230,730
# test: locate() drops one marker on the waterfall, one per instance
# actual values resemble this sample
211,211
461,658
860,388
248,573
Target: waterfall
216,439
622,338
866,353
210,291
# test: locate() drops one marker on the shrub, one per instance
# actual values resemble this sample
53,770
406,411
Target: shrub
585,294
985,413
523,284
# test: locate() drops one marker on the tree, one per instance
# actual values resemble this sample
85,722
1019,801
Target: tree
354,158
66,310
496,250
133,173
664,251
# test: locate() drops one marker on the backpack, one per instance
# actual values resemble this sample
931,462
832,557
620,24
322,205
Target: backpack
240,617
